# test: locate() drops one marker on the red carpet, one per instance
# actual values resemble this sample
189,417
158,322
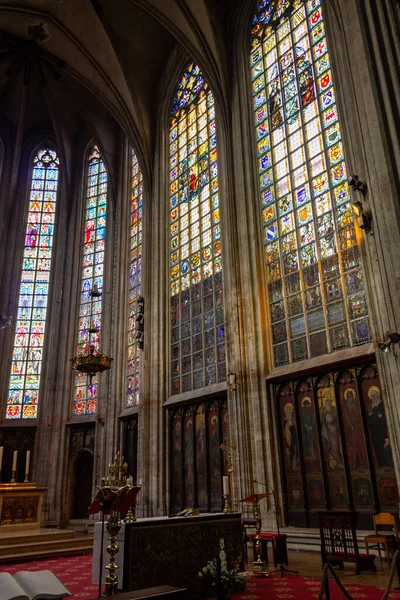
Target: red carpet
76,573
299,588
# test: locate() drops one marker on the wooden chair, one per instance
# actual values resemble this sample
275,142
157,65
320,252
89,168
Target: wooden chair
382,537
339,541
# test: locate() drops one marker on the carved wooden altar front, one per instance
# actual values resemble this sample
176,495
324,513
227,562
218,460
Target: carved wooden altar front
20,506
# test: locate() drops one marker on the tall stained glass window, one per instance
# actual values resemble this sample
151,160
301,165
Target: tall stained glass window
197,315
135,280
26,366
315,285
89,335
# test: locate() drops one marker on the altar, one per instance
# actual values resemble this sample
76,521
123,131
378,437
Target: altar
171,550
20,506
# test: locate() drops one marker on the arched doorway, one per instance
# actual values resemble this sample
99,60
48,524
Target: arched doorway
81,485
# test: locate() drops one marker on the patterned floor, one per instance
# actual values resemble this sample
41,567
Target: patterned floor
75,572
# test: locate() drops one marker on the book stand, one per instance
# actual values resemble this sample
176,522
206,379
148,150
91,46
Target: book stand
259,565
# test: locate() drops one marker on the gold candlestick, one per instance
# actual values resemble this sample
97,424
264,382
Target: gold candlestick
227,504
113,527
13,480
229,469
130,516
259,564
26,480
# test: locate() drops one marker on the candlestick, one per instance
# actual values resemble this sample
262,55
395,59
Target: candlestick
14,463
1,456
13,477
27,463
225,485
227,504
129,481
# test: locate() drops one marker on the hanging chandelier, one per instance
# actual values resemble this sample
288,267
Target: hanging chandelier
90,360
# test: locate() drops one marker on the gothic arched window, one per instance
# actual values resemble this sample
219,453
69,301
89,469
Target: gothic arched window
315,287
27,356
89,334
197,316
135,281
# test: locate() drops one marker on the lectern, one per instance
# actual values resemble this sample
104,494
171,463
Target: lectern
259,567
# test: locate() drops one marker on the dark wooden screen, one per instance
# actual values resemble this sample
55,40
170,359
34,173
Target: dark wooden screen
334,444
197,463
130,445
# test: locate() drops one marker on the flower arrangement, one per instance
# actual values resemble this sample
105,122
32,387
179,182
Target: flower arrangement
231,578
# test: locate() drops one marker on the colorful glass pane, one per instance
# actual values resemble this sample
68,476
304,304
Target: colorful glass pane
85,398
198,356
26,366
135,280
305,198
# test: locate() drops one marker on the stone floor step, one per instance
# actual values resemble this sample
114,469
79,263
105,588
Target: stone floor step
54,546
35,536
11,558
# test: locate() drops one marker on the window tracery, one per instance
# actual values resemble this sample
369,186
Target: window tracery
315,286
197,319
135,281
89,331
27,355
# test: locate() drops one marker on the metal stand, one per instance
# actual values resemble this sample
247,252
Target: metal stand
281,567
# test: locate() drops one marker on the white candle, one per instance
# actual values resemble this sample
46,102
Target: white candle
28,461
225,485
129,481
1,457
14,465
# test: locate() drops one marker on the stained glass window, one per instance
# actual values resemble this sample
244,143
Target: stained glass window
89,334
135,280
26,366
197,314
315,285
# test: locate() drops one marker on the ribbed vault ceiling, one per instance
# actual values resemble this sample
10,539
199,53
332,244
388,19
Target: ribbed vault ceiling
117,50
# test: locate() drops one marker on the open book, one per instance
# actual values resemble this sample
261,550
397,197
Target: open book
32,585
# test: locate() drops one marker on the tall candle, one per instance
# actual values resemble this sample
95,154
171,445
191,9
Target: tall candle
28,460
14,465
1,457
225,485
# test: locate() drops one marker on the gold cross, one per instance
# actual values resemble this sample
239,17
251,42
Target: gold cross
226,446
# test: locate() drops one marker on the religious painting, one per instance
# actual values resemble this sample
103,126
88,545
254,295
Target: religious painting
215,457
225,431
377,431
354,440
188,457
176,459
332,445
290,449
196,435
310,443
201,458
335,446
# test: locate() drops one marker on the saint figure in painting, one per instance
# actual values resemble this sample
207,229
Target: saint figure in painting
378,430
291,437
309,432
331,432
353,430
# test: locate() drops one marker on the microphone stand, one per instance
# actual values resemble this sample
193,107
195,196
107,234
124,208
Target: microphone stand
281,566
